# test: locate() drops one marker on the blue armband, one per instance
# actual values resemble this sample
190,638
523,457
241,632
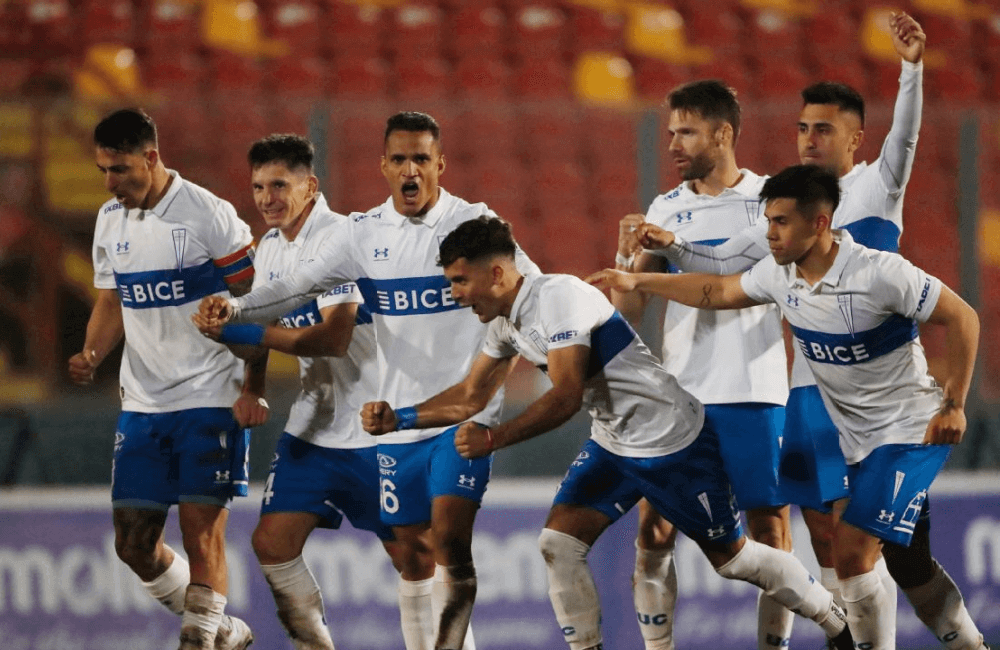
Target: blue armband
406,418
250,334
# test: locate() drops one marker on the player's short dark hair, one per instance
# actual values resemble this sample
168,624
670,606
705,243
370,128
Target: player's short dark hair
127,130
293,150
414,122
711,99
841,95
809,185
478,239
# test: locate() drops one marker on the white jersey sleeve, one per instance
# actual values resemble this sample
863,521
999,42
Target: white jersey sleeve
498,343
104,272
757,281
895,162
907,290
227,233
569,315
742,251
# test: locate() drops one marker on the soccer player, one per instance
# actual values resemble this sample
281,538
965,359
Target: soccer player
160,245
854,312
325,465
813,471
650,438
733,362
425,341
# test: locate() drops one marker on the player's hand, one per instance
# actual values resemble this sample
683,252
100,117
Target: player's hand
82,366
947,427
378,418
652,237
612,279
473,441
628,242
250,410
214,311
907,37
211,329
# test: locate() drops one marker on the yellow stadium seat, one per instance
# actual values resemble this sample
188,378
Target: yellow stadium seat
797,8
658,31
989,236
108,71
234,25
962,9
603,78
16,130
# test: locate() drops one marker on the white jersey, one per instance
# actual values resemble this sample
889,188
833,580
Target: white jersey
857,328
722,357
638,408
871,204
426,341
163,261
327,409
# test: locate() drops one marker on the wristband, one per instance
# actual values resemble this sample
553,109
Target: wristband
248,334
489,438
406,418
624,261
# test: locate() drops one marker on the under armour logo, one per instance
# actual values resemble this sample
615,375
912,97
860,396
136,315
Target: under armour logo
712,533
792,301
273,275
121,247
886,517
222,476
381,253
684,217
467,481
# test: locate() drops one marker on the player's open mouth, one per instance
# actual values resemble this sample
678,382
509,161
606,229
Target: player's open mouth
410,190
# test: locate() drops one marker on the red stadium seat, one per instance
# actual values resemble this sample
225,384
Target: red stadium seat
558,179
290,115
357,184
477,30
107,22
951,34
177,73
986,37
542,79
416,30
991,81
483,132
611,139
729,69
297,76
359,76
185,134
359,133
956,84
295,22
781,79
770,35
482,77
550,133
356,28
831,34
15,29
421,78
237,121
168,25
655,78
884,80
720,30
596,28
539,31
14,73
845,69
612,189
52,26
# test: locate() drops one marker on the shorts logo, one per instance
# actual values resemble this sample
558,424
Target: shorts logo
222,476
119,440
582,456
715,533
703,500
386,461
886,517
468,482
899,483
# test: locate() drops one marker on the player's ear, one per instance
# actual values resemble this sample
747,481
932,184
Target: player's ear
313,184
441,164
152,156
724,134
856,140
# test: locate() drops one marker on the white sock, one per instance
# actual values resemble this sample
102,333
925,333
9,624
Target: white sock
783,577
774,623
867,607
200,622
940,606
452,596
170,586
415,614
572,589
654,591
891,594
828,578
300,604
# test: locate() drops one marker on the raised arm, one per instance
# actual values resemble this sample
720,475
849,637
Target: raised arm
896,159
104,330
567,369
450,406
738,253
962,323
693,289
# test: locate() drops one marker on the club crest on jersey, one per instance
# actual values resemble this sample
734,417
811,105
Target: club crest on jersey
121,248
847,311
380,254
753,211
180,243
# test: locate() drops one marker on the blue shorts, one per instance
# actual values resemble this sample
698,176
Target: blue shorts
193,456
889,490
689,488
750,443
329,483
413,474
813,471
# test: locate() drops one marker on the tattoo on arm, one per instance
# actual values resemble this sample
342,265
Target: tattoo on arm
706,299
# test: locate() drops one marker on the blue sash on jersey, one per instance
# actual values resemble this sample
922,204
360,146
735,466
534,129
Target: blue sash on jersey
673,268
408,296
607,341
848,349
875,232
309,314
170,287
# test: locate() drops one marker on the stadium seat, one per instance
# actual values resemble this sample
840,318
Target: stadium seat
15,29
14,73
477,30
730,69
956,84
482,77
357,185
297,76
296,23
538,31
558,178
659,31
883,76
235,26
831,34
237,120
359,76
779,78
772,34
168,25
16,130
986,37
991,81
720,30
611,139
415,30
488,131
603,78
421,77
846,68
106,22
357,133
355,28
108,72
948,32
291,115
596,28
654,78
232,72
52,25
541,79
177,73
549,132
